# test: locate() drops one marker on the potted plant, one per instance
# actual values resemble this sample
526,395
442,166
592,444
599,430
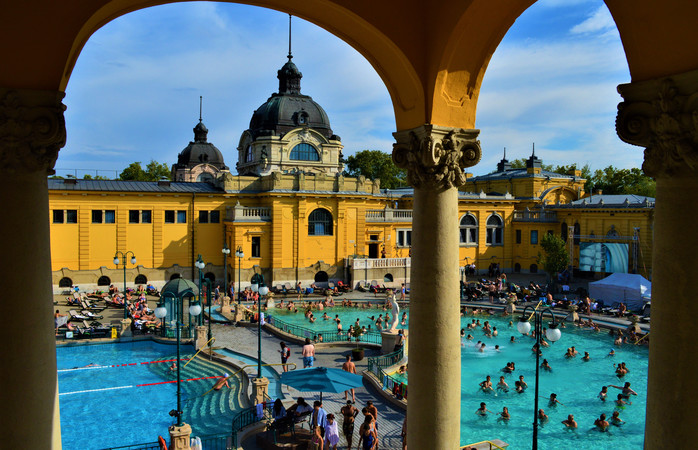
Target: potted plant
357,354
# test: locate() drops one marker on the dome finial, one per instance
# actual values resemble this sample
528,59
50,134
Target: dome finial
201,103
200,130
290,56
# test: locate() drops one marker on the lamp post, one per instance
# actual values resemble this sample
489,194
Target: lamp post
240,254
116,262
263,291
200,264
553,334
226,252
160,313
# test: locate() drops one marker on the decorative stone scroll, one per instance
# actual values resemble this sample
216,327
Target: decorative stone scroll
32,130
662,116
435,156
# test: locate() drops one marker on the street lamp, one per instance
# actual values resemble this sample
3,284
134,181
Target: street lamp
116,262
160,313
553,334
240,254
226,252
263,291
200,264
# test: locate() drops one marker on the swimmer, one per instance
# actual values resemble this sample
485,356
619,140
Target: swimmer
626,391
553,401
586,357
570,422
612,353
482,411
523,383
496,348
517,386
604,393
512,340
469,337
502,385
546,366
504,415
615,418
601,423
542,416
222,382
620,402
482,348
487,384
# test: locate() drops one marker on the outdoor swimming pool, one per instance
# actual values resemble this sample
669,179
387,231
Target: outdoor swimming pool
121,398
577,384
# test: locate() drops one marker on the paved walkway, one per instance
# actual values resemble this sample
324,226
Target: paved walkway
244,340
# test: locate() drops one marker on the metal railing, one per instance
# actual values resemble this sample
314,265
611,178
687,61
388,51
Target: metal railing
208,442
492,445
376,363
328,335
248,417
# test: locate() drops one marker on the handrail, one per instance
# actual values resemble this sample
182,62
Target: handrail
253,365
492,445
640,340
204,346
534,310
378,362
329,335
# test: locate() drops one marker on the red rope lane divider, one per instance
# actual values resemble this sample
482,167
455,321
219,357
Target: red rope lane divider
121,365
174,381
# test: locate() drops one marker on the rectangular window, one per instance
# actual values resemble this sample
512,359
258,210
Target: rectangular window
215,217
97,216
71,216
256,246
181,217
203,216
518,236
404,238
57,216
146,217
133,216
169,216
534,237
109,216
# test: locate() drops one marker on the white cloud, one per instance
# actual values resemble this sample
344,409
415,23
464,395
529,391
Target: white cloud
600,20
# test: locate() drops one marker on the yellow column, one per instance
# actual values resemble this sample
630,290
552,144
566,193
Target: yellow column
434,158
660,115
32,130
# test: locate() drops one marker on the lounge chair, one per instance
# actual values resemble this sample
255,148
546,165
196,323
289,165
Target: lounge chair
86,304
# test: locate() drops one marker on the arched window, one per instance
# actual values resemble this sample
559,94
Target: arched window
141,279
304,152
174,276
210,276
563,231
205,178
388,278
517,268
249,156
577,233
495,230
533,268
321,277
468,229
320,223
104,281
65,282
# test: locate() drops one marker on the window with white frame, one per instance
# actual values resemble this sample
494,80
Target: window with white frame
495,230
468,230
404,238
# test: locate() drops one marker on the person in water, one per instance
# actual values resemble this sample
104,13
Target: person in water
570,422
223,381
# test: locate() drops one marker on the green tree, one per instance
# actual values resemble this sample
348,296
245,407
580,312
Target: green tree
96,177
375,164
554,258
154,171
623,181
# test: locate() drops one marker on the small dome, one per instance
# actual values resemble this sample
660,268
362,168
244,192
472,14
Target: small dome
200,151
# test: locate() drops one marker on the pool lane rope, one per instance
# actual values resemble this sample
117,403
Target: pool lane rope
138,385
122,365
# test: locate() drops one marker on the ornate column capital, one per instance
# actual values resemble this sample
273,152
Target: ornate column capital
435,156
662,116
32,129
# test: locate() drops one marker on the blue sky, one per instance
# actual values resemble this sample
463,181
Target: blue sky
134,92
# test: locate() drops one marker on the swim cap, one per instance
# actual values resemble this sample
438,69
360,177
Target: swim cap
226,375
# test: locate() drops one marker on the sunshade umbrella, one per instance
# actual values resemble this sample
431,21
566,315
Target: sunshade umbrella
321,379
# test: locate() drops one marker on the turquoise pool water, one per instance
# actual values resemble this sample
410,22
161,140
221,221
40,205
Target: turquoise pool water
267,372
104,406
347,316
577,384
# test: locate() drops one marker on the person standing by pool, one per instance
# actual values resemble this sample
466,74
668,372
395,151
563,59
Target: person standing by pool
308,354
331,433
285,354
349,412
349,366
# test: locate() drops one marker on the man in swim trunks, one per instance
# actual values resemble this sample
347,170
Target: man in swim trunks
349,412
308,354
349,366
222,382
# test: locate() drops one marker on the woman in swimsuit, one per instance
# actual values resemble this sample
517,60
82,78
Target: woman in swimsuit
316,442
367,434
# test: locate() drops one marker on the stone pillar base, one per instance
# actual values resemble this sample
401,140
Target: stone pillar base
260,388
126,328
238,314
225,308
180,437
389,338
201,337
510,308
572,317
